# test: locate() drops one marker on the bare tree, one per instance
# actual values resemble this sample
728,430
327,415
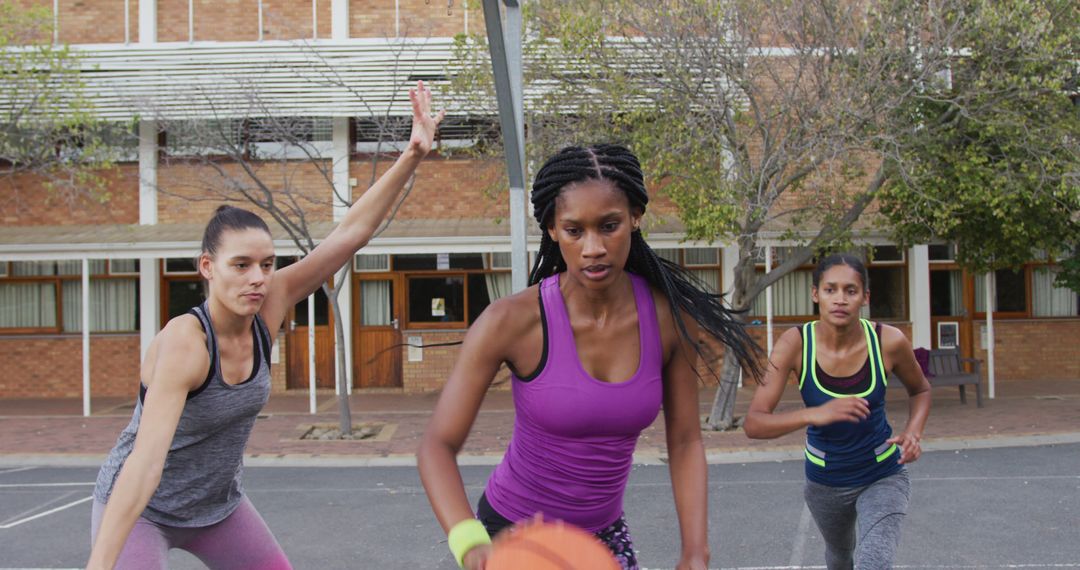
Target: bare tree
251,153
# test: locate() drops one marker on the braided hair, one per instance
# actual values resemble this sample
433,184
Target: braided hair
618,165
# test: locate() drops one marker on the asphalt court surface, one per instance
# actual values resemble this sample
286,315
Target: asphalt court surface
987,508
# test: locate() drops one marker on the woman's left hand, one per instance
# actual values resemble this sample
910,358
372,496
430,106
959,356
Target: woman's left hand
910,448
693,562
424,123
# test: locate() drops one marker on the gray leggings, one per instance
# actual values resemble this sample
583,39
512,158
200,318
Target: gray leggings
860,525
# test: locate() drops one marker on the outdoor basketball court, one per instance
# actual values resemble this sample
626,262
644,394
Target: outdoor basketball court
988,508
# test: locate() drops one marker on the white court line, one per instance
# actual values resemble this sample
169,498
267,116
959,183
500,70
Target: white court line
16,470
800,537
63,497
46,513
17,485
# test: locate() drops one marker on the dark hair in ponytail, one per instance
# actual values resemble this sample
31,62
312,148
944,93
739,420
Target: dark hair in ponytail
229,218
618,165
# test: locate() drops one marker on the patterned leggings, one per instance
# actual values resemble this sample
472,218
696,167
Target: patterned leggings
242,541
616,536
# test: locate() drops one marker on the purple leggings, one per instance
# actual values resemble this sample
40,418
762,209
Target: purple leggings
239,542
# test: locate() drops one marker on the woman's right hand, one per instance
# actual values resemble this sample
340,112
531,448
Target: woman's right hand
477,557
851,409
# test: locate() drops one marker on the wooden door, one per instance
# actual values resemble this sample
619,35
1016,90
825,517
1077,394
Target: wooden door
296,338
377,352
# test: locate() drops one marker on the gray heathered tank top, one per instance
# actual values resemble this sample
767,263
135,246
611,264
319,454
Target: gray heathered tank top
200,484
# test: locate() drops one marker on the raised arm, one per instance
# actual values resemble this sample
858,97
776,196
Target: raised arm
901,357
300,279
686,452
762,421
180,364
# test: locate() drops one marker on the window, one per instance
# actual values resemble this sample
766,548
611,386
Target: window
790,293
1010,288
437,299
46,296
1050,301
371,263
702,262
941,252
447,290
180,266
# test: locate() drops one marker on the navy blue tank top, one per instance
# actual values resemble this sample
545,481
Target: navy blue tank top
846,454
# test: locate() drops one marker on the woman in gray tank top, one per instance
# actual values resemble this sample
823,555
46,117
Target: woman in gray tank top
173,478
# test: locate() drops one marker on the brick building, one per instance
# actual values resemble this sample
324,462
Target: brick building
424,280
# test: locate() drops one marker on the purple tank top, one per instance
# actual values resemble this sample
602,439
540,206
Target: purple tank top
574,435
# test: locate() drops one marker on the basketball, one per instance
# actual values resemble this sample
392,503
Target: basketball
549,546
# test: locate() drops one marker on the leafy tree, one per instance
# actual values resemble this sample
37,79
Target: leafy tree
1001,175
772,119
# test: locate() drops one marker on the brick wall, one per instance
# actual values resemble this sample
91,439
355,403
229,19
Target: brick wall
430,373
51,366
290,19
416,19
190,192
26,201
1032,349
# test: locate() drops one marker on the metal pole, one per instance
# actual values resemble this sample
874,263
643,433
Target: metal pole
505,46
86,336
311,351
991,297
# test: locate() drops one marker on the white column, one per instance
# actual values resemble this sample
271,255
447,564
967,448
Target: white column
919,295
345,304
147,21
86,336
339,156
768,303
339,19
311,351
343,188
149,275
991,303
727,267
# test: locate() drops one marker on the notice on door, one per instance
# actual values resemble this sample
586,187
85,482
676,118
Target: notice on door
438,307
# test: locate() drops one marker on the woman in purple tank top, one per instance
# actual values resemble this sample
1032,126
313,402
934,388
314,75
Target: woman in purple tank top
173,479
605,337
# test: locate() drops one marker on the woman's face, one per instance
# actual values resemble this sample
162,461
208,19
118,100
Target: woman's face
840,294
240,273
592,224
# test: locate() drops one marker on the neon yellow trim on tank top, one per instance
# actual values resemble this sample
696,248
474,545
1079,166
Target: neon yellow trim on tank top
887,453
814,459
867,330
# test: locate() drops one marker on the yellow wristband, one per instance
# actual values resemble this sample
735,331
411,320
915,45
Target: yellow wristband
464,536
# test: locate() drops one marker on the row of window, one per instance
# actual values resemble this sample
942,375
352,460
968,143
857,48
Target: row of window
293,138
451,290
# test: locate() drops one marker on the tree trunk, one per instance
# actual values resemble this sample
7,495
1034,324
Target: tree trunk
341,378
722,415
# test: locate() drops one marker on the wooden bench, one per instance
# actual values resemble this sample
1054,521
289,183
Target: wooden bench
947,369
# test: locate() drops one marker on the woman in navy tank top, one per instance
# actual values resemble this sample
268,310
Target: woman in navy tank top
604,338
857,486
173,478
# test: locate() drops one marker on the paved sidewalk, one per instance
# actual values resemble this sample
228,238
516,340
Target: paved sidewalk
54,432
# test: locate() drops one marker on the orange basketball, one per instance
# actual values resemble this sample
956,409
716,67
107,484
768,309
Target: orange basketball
549,546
